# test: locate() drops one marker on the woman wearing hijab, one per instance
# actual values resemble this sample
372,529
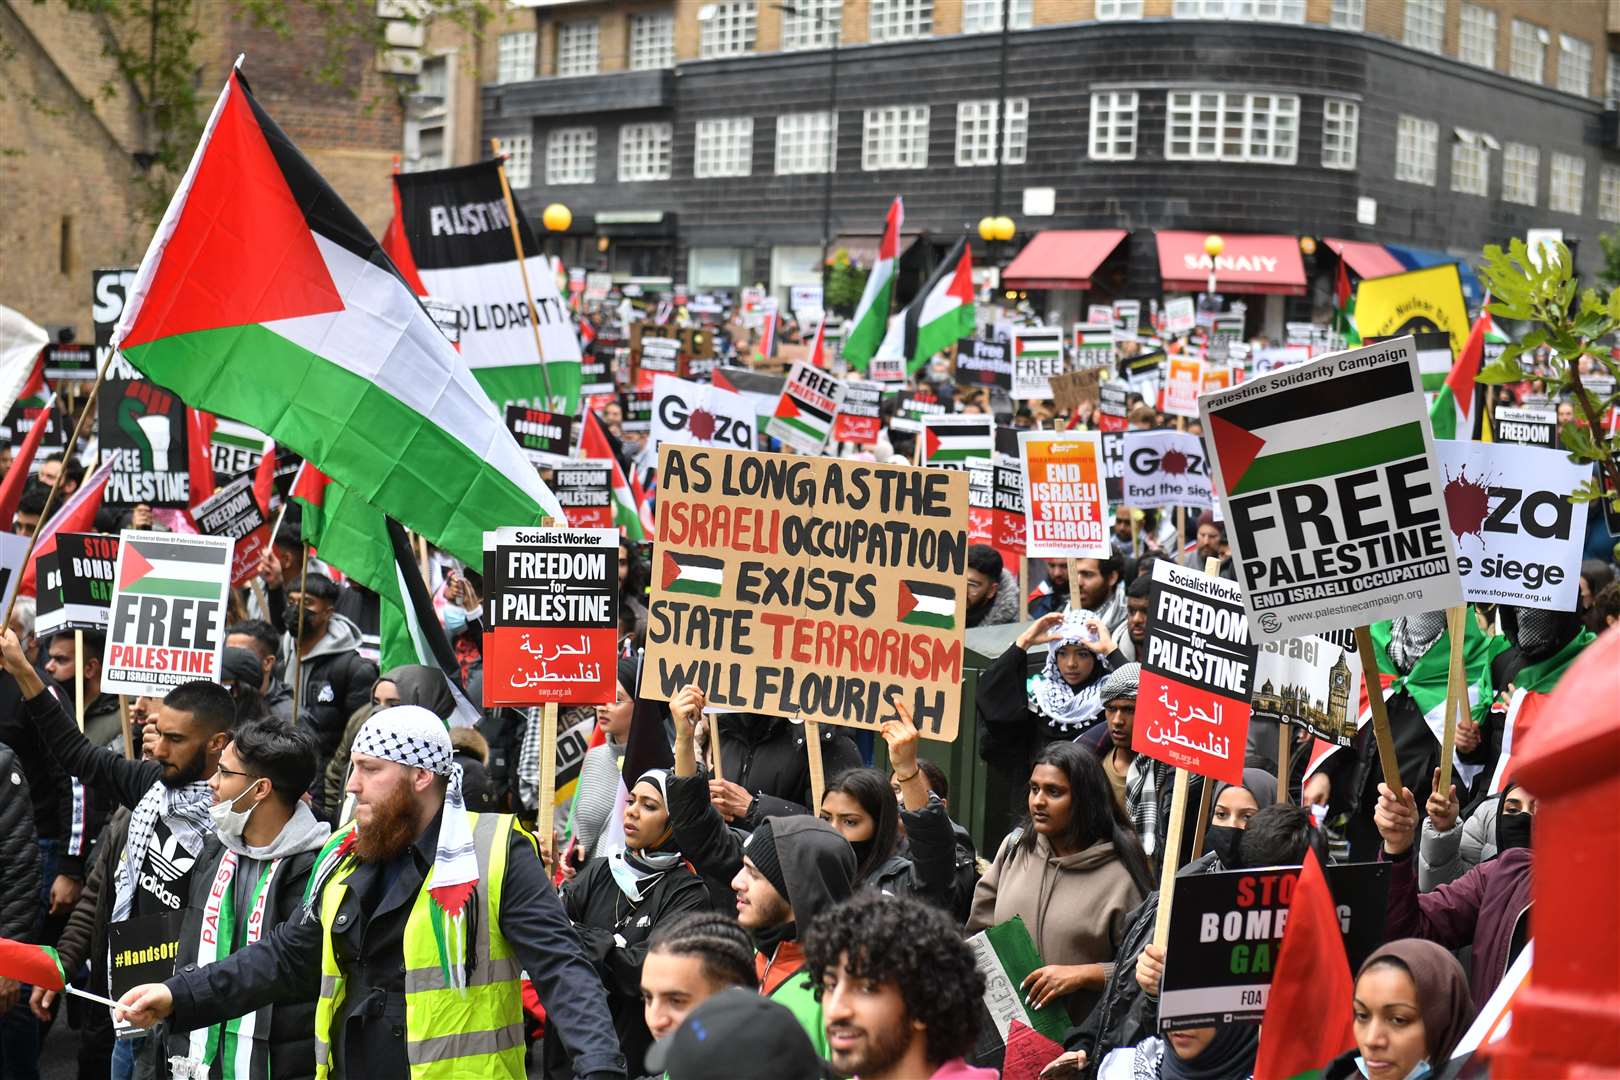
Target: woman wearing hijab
618,900
1216,1052
1022,715
1411,1009
1233,806
597,791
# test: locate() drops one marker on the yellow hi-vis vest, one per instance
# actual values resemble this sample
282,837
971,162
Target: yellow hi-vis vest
448,1034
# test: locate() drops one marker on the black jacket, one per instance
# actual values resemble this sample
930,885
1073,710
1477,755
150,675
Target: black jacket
62,807
84,938
122,780
19,852
335,680
924,865
284,966
766,755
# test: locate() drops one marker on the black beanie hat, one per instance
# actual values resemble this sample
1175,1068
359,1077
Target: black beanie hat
761,851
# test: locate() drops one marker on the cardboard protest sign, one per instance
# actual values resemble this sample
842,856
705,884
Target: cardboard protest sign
169,607
13,550
1417,302
1037,355
1530,426
860,413
1330,494
70,362
809,586
584,489
234,512
1165,468
1519,535
553,603
1073,389
1113,455
1310,682
1093,346
1193,708
1005,955
1111,406
1226,930
1063,494
144,434
700,414
85,562
1180,315
805,411
911,407
545,437
955,440
983,363
1182,386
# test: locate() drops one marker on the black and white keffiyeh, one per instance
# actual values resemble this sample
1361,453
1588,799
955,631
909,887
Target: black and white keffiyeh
186,811
1068,708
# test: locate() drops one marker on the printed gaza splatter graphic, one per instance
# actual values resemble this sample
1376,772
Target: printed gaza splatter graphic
1468,503
1173,463
701,424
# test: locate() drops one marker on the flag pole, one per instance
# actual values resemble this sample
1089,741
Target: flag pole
523,266
78,675
298,635
1385,738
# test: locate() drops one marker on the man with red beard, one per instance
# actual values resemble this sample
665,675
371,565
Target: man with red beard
416,898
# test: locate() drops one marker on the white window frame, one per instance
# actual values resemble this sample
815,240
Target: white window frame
1424,26
976,131
571,155
1341,132
1348,15
1527,52
652,40
984,16
1470,167
1117,10
1476,36
1574,65
1278,11
1609,193
1567,191
1521,172
894,137
1114,126
900,20
812,24
1417,150
1217,126
803,142
1611,82
579,47
729,30
723,146
519,151
645,151
515,55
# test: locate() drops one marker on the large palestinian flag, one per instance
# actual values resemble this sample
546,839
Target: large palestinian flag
943,314
263,298
872,313
452,240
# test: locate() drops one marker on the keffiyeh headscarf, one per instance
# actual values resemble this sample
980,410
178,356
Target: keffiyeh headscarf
1066,707
636,872
185,809
1410,637
412,736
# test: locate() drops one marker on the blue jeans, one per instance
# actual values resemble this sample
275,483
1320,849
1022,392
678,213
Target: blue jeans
125,1051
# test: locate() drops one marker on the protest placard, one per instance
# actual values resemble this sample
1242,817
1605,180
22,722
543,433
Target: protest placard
236,447
1220,377
1180,315
584,489
1011,536
804,413
1193,708
911,407
1331,498
109,292
1100,315
700,414
1144,374
1226,929
657,356
1277,357
233,511
143,432
1037,355
981,474
1111,406
1182,385
85,562
1165,468
1518,533
544,436
955,440
1225,331
553,602
169,607
860,413
1113,456
1063,494
1528,426
1417,302
142,949
1310,682
1127,317
1093,346
596,369
637,406
1072,389
809,586
70,362
983,363
13,550
20,419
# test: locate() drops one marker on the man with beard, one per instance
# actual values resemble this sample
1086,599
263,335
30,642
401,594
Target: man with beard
168,795
900,992
101,725
992,590
412,980
1133,643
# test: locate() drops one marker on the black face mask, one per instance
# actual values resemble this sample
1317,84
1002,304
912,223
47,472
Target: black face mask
1513,830
1223,841
863,848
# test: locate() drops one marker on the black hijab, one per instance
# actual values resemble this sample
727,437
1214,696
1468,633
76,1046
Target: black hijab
1229,1056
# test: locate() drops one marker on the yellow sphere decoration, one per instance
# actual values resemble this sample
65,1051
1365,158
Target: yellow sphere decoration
557,217
987,229
1307,245
1004,228
1214,245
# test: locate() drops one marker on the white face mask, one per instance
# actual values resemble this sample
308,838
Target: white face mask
228,820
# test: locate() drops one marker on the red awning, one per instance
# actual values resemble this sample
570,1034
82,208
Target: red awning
1367,260
1249,263
1061,259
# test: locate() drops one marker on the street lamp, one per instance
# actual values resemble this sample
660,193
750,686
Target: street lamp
832,117
998,227
557,217
1213,246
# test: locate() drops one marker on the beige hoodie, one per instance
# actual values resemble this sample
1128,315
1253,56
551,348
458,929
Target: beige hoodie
1073,905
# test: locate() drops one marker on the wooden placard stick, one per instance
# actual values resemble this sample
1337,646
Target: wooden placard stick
298,635
78,675
1023,587
548,781
1285,763
1206,799
1456,692
812,749
1380,715
1074,585
123,722
523,267
1170,854
714,745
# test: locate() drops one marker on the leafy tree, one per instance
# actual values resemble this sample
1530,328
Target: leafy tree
1610,274
845,283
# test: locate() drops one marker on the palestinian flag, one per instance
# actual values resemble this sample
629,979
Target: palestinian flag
162,567
923,603
20,362
19,471
1435,361
943,314
699,575
958,438
871,319
1344,309
593,443
766,346
818,348
77,515
1458,412
761,388
1010,1028
36,965
1307,1022
263,298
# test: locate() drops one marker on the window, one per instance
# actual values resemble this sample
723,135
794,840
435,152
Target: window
1612,94
976,131
984,16
519,151
1609,194
1426,24
1476,40
1348,15
1520,167
652,41
805,142
571,156
729,29
577,53
1574,66
896,138
1108,10
644,152
1528,57
514,57
1568,178
1212,126
724,147
897,20
1113,126
1417,144
1470,167
1340,120
812,24
714,268
1245,10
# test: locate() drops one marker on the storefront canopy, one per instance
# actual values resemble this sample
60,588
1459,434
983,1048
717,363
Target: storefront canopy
1249,263
1366,259
1061,258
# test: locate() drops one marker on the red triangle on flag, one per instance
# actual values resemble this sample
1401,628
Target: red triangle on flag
786,408
1236,449
672,570
132,567
930,442
908,602
961,285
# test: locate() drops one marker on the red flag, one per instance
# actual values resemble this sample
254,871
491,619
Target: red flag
76,515
818,350
200,427
17,475
1308,1013
264,479
37,965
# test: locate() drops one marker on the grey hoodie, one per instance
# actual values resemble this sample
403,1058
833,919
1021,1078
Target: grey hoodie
334,680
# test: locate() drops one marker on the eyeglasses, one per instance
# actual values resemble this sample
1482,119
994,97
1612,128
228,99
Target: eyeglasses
223,771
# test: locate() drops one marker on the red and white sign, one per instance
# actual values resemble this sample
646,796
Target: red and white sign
1182,387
